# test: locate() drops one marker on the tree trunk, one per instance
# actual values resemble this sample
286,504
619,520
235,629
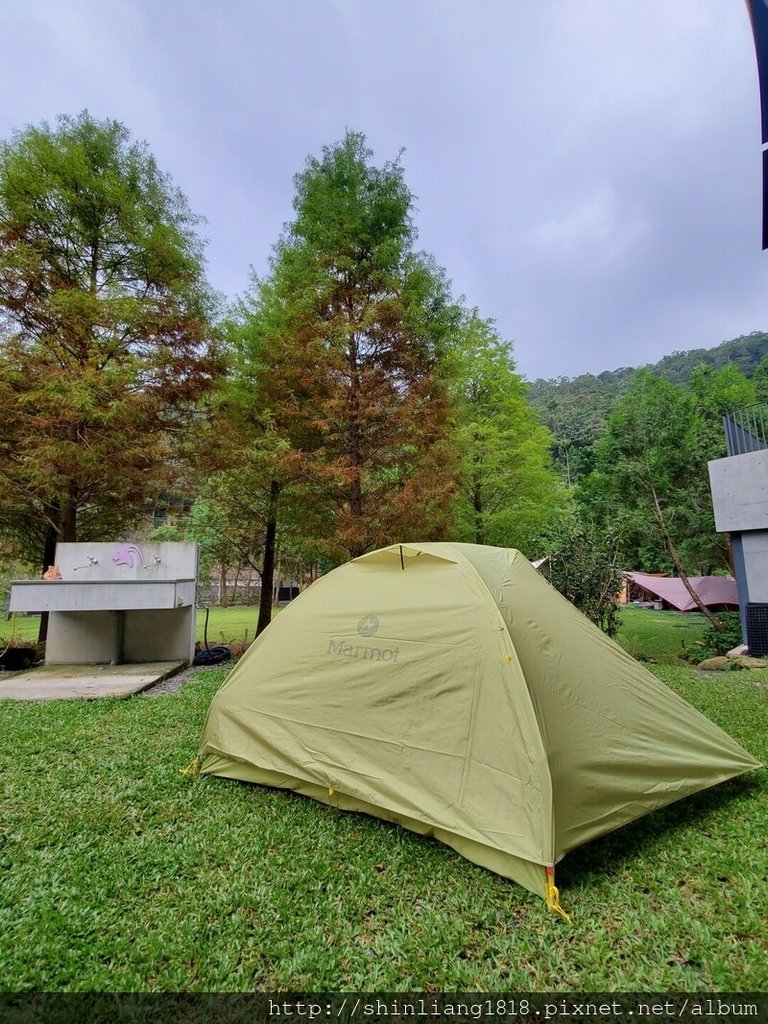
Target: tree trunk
223,586
68,518
268,569
477,508
477,494
49,558
358,546
673,554
729,553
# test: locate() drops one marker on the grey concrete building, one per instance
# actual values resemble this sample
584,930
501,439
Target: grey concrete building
739,486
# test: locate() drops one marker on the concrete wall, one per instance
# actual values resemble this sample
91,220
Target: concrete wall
752,550
740,492
151,561
93,637
160,635
76,638
740,498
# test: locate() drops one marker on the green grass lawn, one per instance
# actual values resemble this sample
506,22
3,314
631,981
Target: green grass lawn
119,874
659,636
225,625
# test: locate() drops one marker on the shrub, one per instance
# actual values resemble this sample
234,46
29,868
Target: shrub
582,565
714,643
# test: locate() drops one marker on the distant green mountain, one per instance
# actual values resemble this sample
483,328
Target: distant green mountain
746,352
575,408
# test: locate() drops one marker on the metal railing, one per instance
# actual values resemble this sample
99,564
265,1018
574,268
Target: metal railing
746,430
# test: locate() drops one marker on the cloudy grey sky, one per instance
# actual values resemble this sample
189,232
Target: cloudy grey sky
587,171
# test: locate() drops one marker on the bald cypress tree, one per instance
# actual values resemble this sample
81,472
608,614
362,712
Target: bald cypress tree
104,321
508,493
349,332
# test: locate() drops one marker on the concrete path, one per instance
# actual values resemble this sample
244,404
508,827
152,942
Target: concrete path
62,682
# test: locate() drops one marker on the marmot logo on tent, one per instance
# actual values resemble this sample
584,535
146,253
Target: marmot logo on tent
368,625
358,651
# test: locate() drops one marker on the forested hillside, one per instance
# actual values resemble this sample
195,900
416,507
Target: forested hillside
576,409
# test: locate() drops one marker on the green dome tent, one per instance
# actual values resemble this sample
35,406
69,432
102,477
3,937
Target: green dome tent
451,689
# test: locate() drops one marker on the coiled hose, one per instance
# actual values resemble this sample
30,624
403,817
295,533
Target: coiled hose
210,655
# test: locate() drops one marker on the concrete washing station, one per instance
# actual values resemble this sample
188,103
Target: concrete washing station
116,604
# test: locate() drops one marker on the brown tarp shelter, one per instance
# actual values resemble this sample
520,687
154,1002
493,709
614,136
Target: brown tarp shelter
714,591
450,688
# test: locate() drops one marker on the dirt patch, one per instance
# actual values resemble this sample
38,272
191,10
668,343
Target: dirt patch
174,683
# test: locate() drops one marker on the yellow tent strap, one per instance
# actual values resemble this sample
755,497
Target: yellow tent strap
553,896
193,768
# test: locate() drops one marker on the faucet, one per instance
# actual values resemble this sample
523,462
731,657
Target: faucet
91,561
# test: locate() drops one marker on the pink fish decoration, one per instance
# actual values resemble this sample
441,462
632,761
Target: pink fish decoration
129,554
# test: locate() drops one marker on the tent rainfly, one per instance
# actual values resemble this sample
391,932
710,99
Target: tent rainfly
449,688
